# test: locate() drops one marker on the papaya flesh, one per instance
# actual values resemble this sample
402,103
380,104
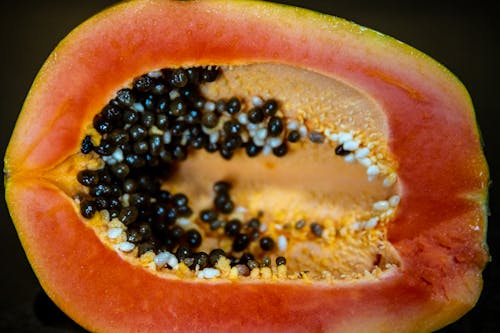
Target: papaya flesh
325,71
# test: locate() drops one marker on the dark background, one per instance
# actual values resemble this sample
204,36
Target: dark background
461,36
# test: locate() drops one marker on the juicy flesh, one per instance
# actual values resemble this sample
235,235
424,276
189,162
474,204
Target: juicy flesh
311,182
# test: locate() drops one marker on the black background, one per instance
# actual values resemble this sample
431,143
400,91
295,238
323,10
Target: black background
462,36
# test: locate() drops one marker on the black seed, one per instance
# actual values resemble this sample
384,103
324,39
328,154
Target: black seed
164,196
178,128
138,132
105,176
128,215
166,156
227,207
135,161
339,150
231,127
199,142
316,137
130,185
208,215
240,242
176,232
293,136
178,108
88,177
133,236
183,252
275,126
255,115
100,190
148,183
179,78
112,113
222,186
87,145
140,147
102,125
281,150
130,116
210,74
101,203
184,211
139,200
210,119
252,264
232,142
149,102
280,261
245,258
148,119
233,106
214,256
232,227
211,147
252,149
118,137
193,116
162,121
266,243
120,170
316,229
180,199
254,235
201,260
192,238
105,148
125,97
114,205
214,225
270,107
300,224
179,153
143,83
253,223
155,145
145,247
266,261
88,208
193,74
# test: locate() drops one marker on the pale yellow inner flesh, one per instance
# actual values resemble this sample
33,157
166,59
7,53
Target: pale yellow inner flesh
311,182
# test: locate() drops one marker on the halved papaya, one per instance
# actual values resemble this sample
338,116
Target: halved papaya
349,184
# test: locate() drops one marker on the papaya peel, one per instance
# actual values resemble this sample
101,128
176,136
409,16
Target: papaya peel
388,79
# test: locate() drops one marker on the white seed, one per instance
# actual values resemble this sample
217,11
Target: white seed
209,106
381,205
390,180
161,258
261,133
183,221
303,131
167,137
138,107
208,273
109,160
155,74
333,137
344,137
274,142
173,262
365,161
293,125
263,227
349,158
351,145
357,225
372,170
257,101
362,152
155,130
394,200
252,127
118,155
126,246
243,118
282,243
372,223
259,142
267,150
114,233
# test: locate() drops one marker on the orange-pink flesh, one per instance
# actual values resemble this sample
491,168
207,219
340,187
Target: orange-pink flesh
439,232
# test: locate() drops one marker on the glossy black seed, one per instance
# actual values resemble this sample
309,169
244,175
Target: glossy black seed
253,223
192,238
149,102
183,252
130,116
199,142
300,224
105,148
254,235
245,258
87,145
220,199
270,107
112,113
88,208
252,264
138,132
100,190
155,145
193,75
164,196
101,203
130,185
280,261
178,129
241,242
145,247
178,108
125,97
133,236
210,119
339,150
316,137
143,83
128,215
232,142
316,229
118,136
255,115
232,228
135,161
211,147
166,156
193,116
293,136
252,149
120,170
88,177
214,225
179,78
214,256
227,207
162,121
140,147
275,126
210,74
175,232
148,183
267,243
101,124
184,211
221,186
233,105
201,260
172,215
179,153
105,176
148,119
231,127
266,261
114,204
139,200
281,150
208,215
180,199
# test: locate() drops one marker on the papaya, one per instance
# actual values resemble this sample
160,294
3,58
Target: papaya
246,166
